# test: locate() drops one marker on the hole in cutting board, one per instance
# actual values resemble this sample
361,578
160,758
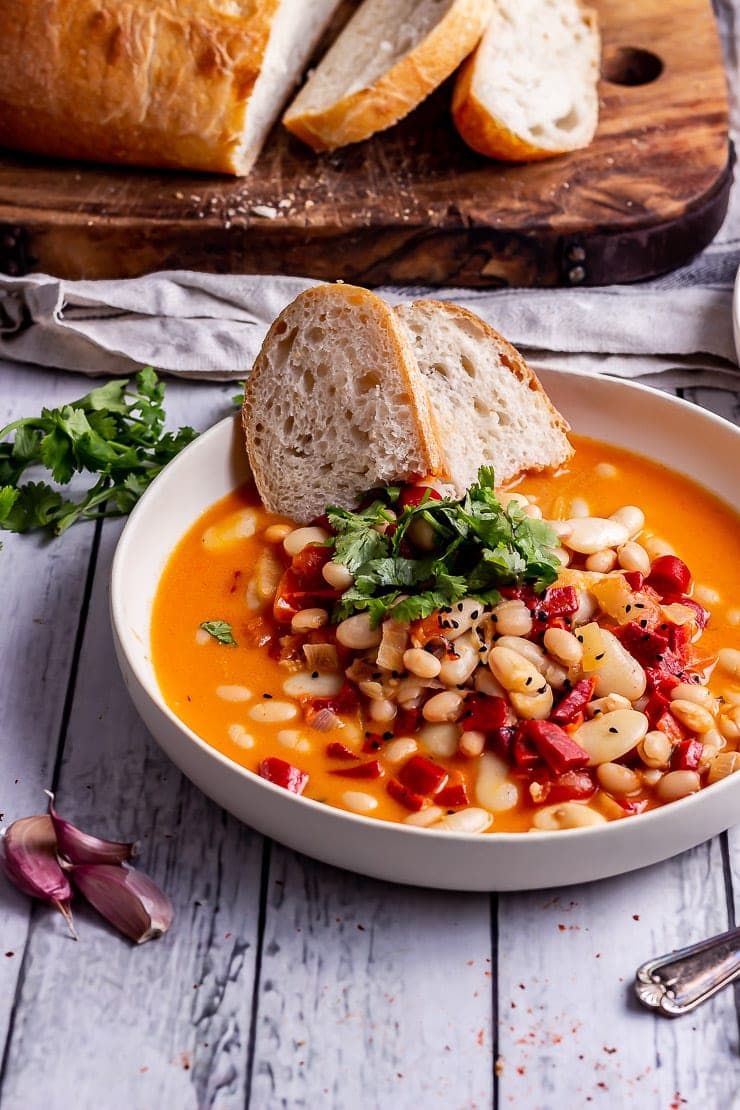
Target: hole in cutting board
630,65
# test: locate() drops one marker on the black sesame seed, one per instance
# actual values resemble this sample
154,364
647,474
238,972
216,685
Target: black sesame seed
460,606
542,689
613,729
600,655
643,623
474,615
639,605
267,695
660,658
580,639
528,681
314,674
387,735
375,745
627,608
429,648
454,624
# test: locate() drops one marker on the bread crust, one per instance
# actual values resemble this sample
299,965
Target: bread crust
516,364
160,84
401,88
432,455
488,134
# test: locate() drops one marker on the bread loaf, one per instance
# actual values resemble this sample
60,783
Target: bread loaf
530,89
488,405
335,404
389,57
180,83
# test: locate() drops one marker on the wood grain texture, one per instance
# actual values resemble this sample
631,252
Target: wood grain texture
297,985
414,204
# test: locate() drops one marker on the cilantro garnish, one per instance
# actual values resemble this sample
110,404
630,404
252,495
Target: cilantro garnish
116,432
221,631
479,547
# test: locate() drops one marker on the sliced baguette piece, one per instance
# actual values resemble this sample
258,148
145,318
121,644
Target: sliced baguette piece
489,406
193,84
530,89
389,57
335,404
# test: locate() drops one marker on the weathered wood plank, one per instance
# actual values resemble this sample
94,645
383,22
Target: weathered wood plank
371,995
571,1032
41,593
167,1024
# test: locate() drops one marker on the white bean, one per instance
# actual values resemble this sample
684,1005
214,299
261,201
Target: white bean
356,633
591,534
471,744
239,736
728,660
563,646
631,517
307,619
633,556
359,802
462,618
619,672
399,749
492,789
485,683
293,739
694,717
602,561
514,672
729,723
578,509
271,712
512,618
337,576
311,684
691,691
607,705
612,735
445,706
605,470
567,815
267,574
439,739
238,526
454,672
705,595
655,749
424,817
470,820
421,663
381,710
533,707
617,780
233,693
276,533
299,538
676,785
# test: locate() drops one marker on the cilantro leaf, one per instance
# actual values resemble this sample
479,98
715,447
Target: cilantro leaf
115,433
221,631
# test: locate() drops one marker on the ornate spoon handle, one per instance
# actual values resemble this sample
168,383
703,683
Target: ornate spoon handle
677,983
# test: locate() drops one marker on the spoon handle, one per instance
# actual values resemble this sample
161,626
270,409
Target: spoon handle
676,983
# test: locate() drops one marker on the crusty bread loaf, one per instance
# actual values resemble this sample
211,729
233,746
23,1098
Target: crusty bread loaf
335,404
189,83
489,406
530,89
389,57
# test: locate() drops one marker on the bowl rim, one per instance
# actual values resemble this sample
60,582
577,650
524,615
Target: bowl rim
132,649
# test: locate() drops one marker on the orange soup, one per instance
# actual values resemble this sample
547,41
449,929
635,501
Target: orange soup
612,691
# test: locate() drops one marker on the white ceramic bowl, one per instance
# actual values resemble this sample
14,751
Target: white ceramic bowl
670,431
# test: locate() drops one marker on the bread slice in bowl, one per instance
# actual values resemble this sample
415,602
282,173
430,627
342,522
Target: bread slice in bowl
388,58
195,85
336,404
530,89
489,406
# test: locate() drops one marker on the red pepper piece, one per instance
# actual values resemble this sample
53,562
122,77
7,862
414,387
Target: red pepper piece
523,752
656,705
292,596
422,776
411,496
406,797
669,575
702,615
369,770
687,755
574,702
501,740
679,637
283,774
634,579
650,649
556,747
672,728
483,713
660,681
309,562
568,787
335,750
559,601
344,702
452,796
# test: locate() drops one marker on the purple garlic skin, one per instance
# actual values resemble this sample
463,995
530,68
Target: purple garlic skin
28,858
80,847
126,898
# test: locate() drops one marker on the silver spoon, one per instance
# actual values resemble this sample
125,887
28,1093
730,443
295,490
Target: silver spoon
677,983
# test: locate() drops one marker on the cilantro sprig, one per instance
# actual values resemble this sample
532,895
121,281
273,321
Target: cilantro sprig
115,432
221,631
479,546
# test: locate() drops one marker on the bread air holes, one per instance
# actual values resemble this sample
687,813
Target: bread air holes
284,346
569,121
370,380
468,367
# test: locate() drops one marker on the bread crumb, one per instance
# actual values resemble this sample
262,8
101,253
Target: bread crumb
264,210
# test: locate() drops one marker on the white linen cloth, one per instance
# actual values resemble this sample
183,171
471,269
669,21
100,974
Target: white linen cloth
211,326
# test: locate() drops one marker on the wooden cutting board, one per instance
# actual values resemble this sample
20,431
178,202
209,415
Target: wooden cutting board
414,205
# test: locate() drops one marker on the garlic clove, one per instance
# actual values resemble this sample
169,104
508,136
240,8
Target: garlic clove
128,899
28,857
81,847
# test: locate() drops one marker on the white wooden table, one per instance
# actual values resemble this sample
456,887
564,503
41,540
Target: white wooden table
283,982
